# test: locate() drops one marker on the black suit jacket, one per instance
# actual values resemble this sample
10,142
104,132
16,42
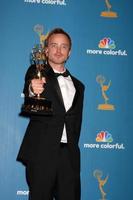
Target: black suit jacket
43,134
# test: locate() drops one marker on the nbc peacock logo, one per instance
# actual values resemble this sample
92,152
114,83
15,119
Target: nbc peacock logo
107,43
104,136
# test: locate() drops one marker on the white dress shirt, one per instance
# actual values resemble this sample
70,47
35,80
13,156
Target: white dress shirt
68,92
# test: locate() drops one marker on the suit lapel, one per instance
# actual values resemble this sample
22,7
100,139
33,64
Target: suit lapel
58,90
76,94
55,85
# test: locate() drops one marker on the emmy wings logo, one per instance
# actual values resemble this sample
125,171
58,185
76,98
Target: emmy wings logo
38,51
104,88
48,2
107,47
108,13
98,174
104,141
39,29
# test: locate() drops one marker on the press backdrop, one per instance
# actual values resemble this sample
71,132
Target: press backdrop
102,59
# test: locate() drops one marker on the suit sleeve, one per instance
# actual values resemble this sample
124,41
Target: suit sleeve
30,74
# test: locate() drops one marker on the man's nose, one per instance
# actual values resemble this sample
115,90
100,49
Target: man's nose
58,49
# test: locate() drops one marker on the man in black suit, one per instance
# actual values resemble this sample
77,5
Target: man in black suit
50,146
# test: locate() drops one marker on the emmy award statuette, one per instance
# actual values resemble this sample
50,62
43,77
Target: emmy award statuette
37,105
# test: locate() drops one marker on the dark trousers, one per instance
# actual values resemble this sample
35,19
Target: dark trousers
56,180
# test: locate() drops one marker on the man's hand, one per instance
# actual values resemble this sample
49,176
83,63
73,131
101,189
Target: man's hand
37,85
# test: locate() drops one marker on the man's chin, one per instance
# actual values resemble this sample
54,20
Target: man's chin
58,62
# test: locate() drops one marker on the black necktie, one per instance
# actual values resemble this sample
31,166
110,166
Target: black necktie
65,74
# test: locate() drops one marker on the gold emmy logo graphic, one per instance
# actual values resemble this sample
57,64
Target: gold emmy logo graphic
109,13
104,88
101,182
39,30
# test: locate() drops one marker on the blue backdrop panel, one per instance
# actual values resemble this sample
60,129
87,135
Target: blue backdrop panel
101,58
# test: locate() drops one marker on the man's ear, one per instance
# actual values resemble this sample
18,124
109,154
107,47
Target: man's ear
69,54
46,52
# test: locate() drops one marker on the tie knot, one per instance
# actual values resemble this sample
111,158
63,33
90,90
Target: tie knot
65,74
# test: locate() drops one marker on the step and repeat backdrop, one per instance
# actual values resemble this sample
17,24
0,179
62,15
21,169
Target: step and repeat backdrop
102,59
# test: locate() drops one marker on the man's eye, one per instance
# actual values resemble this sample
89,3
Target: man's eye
65,47
53,45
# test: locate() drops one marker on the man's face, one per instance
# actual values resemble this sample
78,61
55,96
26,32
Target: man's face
58,49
